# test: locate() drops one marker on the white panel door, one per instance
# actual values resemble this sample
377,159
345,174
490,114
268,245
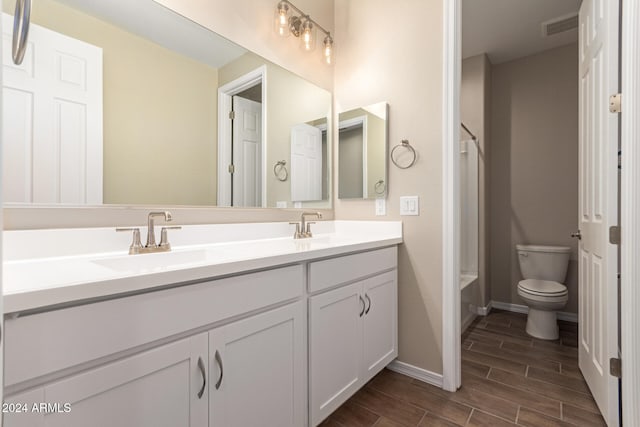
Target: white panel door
158,387
306,163
598,187
380,323
52,110
257,370
335,349
247,153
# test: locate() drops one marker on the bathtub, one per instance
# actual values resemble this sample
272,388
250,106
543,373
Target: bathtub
469,297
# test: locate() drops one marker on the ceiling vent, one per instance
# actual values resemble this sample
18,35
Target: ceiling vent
560,25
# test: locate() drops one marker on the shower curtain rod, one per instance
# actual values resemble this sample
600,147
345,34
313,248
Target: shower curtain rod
468,131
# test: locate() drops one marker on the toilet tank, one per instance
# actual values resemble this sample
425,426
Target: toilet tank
543,262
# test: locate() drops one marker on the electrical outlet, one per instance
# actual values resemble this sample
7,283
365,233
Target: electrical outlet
381,207
409,205
297,205
280,204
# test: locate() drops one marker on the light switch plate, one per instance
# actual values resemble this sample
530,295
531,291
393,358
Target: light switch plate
381,207
409,205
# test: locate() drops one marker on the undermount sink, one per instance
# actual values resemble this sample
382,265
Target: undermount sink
153,262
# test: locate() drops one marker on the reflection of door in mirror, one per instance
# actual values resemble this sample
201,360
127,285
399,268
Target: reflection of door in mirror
53,129
246,142
241,142
306,163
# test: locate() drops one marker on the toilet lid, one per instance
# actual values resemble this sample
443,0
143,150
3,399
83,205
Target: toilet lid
542,287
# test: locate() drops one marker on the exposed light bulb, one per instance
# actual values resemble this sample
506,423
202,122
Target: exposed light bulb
282,19
307,36
328,50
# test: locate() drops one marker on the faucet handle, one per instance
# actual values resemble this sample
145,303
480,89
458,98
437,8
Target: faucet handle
307,231
298,233
136,244
164,239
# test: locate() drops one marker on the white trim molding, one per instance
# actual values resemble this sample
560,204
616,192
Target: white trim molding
416,373
519,308
630,213
451,328
483,311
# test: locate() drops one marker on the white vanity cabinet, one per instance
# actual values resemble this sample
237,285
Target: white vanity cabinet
164,386
257,370
155,359
352,329
282,346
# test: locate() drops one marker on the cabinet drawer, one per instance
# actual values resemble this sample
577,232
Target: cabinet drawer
44,343
334,271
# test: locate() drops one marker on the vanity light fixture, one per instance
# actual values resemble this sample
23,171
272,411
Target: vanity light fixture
291,20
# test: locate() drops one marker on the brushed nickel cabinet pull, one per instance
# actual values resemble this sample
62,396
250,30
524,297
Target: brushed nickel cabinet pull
369,306
219,361
204,377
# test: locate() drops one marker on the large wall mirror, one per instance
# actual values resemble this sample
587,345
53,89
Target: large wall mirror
362,152
128,103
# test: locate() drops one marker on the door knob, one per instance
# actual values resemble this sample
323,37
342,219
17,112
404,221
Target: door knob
577,234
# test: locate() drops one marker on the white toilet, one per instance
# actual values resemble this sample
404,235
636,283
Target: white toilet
543,268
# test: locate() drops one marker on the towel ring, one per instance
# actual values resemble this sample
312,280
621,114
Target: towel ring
414,155
280,167
380,187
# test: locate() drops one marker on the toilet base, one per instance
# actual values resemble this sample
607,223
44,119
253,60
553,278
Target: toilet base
542,324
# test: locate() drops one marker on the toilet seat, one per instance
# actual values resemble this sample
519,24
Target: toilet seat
542,288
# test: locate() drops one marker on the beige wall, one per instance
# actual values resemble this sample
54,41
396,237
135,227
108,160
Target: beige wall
174,160
381,58
291,100
534,165
475,112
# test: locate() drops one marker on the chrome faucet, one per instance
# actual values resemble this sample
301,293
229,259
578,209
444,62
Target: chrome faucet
151,246
303,227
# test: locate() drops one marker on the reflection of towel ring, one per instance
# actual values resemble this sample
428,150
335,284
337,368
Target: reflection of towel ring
380,187
405,144
277,171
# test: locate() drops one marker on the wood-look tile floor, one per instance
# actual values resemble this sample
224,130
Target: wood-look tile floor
508,378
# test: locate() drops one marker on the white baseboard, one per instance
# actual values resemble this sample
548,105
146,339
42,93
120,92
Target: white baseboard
417,373
483,311
519,308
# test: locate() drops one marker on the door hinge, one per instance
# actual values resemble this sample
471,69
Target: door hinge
615,103
232,169
232,115
619,159
614,235
615,367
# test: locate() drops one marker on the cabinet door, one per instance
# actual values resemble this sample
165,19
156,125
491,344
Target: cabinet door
380,323
156,388
257,370
335,335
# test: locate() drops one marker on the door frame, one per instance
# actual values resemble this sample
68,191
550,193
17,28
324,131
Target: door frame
225,130
451,72
630,204
630,212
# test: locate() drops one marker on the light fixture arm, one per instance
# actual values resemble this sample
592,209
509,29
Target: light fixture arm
327,33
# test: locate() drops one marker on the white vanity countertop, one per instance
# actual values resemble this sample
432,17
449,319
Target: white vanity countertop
48,267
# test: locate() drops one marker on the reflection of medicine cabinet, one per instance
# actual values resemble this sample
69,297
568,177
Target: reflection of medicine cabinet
362,148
